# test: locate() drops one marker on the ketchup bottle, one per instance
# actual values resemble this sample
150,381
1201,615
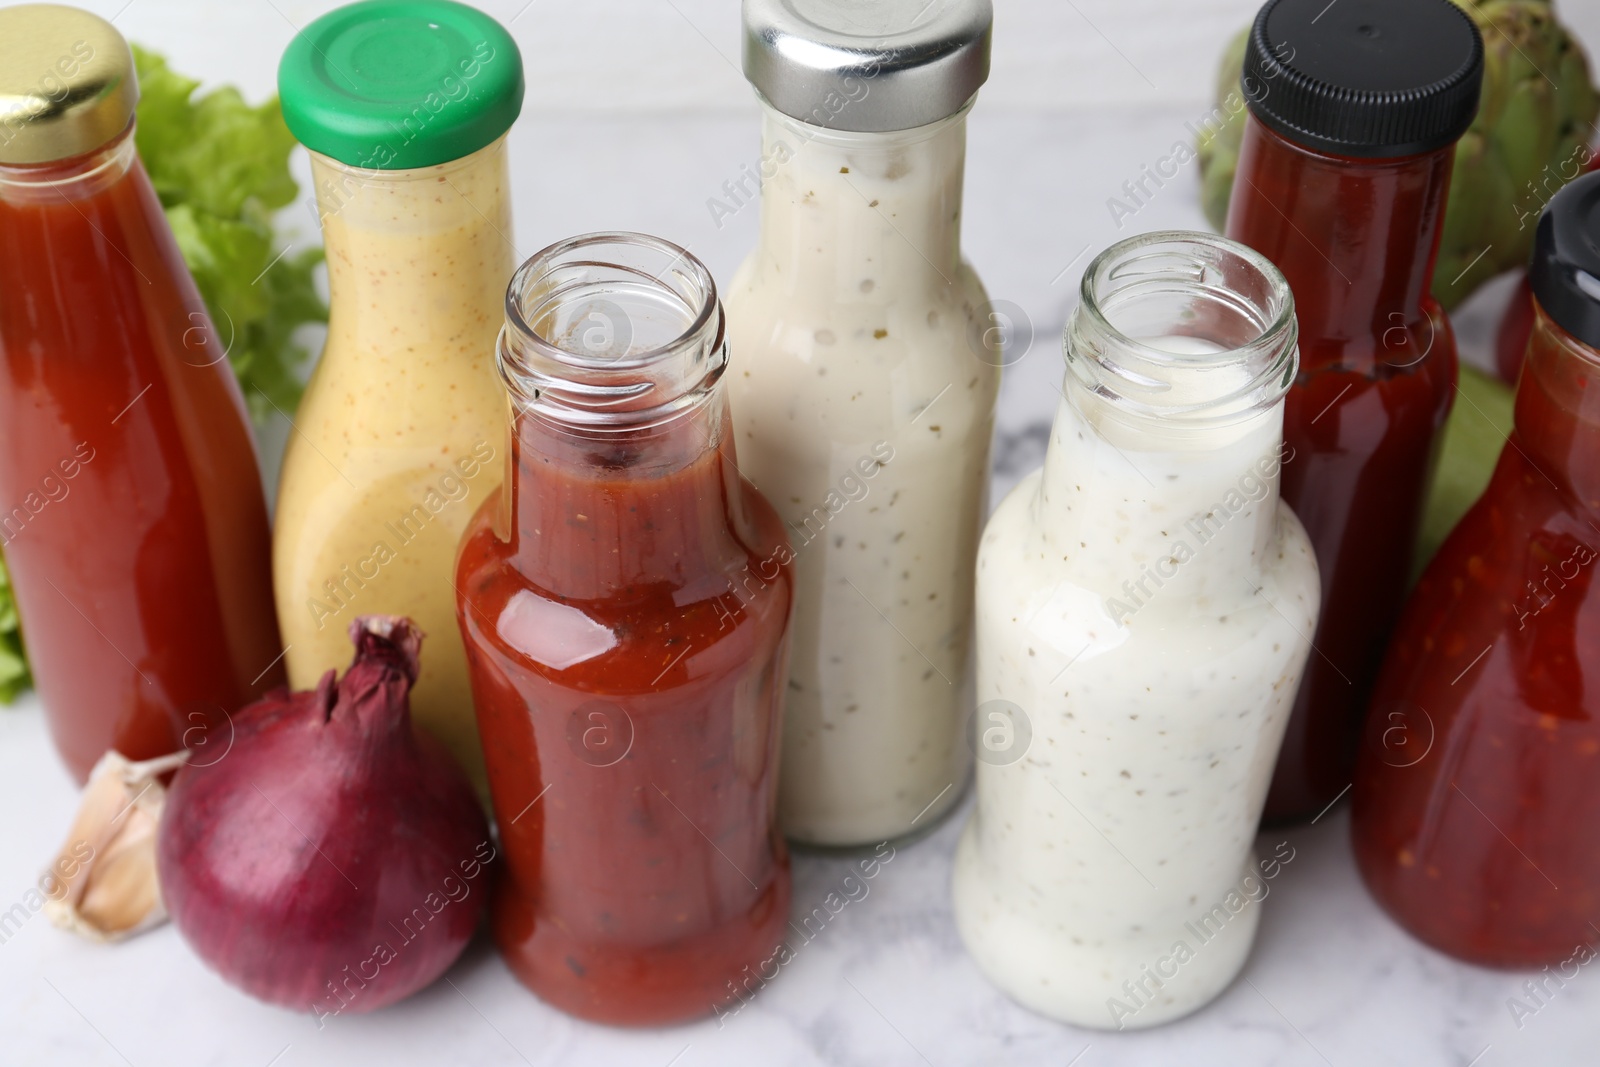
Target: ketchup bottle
131,506
1355,108
1477,797
625,603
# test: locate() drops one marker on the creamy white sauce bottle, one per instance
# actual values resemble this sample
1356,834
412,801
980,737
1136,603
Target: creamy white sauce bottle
1145,604
863,397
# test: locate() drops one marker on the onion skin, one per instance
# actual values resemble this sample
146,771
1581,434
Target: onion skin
335,859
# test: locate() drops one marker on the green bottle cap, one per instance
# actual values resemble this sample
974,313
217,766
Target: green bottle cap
396,84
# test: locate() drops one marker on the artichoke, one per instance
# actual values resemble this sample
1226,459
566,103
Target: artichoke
1531,135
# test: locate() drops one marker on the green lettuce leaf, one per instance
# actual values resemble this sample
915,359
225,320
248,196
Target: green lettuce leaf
221,169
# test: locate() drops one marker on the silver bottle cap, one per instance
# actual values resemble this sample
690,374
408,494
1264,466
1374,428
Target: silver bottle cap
867,65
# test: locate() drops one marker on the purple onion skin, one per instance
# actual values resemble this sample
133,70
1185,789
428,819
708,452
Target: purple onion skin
294,861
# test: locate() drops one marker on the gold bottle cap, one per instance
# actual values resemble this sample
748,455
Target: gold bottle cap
66,83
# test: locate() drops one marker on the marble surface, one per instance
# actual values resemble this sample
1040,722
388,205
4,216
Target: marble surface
1331,980
884,983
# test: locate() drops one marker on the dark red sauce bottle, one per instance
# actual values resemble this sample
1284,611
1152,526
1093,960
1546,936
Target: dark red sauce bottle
131,505
1355,108
1476,807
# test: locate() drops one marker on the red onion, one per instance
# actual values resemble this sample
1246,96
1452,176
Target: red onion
334,859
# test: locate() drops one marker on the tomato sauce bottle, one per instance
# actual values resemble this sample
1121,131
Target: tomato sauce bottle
1355,109
625,606
131,505
1477,796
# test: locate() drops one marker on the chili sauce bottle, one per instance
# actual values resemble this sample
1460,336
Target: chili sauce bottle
1477,796
625,606
1355,108
131,505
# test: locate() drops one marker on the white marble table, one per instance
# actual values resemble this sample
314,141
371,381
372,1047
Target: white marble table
887,983
884,983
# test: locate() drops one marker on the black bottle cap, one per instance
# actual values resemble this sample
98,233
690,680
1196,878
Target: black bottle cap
1371,79
1565,275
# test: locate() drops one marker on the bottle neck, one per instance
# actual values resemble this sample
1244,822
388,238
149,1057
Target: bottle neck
1557,411
1142,512
845,211
1161,478
403,244
79,178
100,212
601,516
622,450
1357,238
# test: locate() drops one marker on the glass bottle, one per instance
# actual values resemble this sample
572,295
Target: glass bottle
1343,175
1477,796
864,402
1143,607
131,505
404,107
625,606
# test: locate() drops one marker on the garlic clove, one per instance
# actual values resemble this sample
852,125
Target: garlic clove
103,882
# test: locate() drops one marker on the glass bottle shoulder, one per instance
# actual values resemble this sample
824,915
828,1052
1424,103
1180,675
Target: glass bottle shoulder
863,367
1509,602
389,396
853,312
1482,735
417,268
709,619
1030,589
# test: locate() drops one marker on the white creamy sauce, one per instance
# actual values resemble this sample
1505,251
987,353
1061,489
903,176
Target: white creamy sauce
1147,603
863,412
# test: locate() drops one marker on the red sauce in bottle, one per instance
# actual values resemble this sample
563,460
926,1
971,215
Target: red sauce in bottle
625,607
1357,239
1516,325
131,506
1477,797
1354,112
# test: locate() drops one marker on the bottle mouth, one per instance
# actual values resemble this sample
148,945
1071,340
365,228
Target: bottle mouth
611,329
1184,326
